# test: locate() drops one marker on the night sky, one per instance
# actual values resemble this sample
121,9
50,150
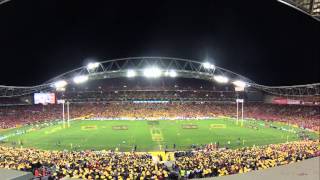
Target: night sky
265,41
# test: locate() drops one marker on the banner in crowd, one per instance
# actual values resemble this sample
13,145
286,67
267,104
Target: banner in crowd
292,101
279,100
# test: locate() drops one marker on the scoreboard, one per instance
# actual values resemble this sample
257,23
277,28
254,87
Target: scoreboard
44,98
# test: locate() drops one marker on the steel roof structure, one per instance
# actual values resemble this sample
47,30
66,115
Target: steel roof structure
185,68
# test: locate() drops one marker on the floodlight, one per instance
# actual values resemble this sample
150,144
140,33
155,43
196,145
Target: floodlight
208,65
171,73
61,89
152,72
60,84
80,79
239,83
131,73
221,79
93,65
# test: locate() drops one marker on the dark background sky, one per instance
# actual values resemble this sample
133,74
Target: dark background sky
266,41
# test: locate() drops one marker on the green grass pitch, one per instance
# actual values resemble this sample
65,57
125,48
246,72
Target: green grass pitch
150,135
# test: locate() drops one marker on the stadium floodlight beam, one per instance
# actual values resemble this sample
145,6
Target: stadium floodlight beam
221,79
131,73
80,79
93,65
208,65
152,72
239,83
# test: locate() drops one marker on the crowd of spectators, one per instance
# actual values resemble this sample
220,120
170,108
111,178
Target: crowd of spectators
300,115
5,101
85,164
130,95
144,89
13,116
206,162
303,116
210,163
138,84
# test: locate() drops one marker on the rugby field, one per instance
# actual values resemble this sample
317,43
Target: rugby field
149,135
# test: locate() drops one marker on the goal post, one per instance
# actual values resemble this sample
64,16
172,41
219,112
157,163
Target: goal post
240,101
68,113
63,102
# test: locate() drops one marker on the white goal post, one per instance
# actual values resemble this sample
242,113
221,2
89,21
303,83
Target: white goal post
242,102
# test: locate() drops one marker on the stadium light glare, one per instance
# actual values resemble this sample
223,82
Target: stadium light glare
60,84
131,73
61,89
208,65
152,72
171,73
93,65
239,83
221,79
80,79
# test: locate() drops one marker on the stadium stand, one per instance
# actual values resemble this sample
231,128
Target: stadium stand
300,115
206,162
174,100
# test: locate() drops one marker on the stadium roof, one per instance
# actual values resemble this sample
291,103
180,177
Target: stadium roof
309,7
155,67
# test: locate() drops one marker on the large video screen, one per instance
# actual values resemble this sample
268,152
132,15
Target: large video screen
44,98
